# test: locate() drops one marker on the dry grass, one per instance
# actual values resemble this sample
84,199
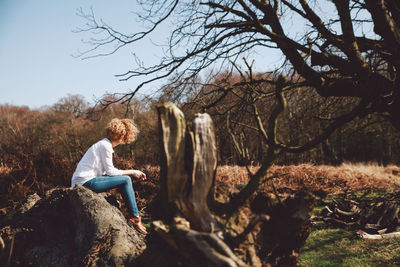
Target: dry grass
4,169
322,177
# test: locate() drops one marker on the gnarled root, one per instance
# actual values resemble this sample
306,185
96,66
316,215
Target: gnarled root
198,248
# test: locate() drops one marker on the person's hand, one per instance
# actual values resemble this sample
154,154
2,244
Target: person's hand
139,175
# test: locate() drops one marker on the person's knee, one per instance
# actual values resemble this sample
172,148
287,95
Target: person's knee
127,179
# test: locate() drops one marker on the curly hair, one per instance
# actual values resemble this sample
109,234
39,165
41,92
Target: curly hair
122,129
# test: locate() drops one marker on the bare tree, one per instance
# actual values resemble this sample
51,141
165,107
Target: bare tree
350,50
347,48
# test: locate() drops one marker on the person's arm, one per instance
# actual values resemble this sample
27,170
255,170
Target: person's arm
106,160
135,173
112,171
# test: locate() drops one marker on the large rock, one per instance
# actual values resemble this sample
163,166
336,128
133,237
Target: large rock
69,227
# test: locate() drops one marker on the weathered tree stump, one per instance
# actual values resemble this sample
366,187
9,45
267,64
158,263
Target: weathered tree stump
187,172
189,161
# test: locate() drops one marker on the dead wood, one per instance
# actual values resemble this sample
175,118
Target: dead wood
360,213
365,235
189,161
199,248
273,236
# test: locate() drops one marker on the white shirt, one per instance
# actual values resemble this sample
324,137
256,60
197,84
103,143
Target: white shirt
97,161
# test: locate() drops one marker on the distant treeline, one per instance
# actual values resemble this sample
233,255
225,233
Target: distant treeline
367,138
42,147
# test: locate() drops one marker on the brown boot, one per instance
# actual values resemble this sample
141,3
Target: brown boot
137,222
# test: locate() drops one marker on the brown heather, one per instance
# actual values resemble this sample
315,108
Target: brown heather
321,177
4,169
331,179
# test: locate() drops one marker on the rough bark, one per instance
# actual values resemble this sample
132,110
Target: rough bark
193,235
197,248
174,179
188,165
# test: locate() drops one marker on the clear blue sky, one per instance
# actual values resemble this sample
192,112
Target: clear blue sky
36,47
36,44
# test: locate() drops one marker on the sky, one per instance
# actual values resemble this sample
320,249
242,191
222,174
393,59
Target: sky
37,44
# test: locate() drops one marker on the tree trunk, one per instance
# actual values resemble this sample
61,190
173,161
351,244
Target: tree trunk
189,161
187,173
187,225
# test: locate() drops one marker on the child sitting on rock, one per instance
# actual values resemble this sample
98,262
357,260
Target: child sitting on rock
97,172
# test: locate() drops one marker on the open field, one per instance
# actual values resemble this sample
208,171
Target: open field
329,246
331,179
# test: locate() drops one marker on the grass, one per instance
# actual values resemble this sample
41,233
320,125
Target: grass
147,223
340,247
327,246
332,246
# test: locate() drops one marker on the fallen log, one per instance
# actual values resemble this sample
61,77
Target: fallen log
365,235
369,215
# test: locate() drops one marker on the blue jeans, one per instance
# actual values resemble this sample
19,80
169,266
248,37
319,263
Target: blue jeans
104,183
